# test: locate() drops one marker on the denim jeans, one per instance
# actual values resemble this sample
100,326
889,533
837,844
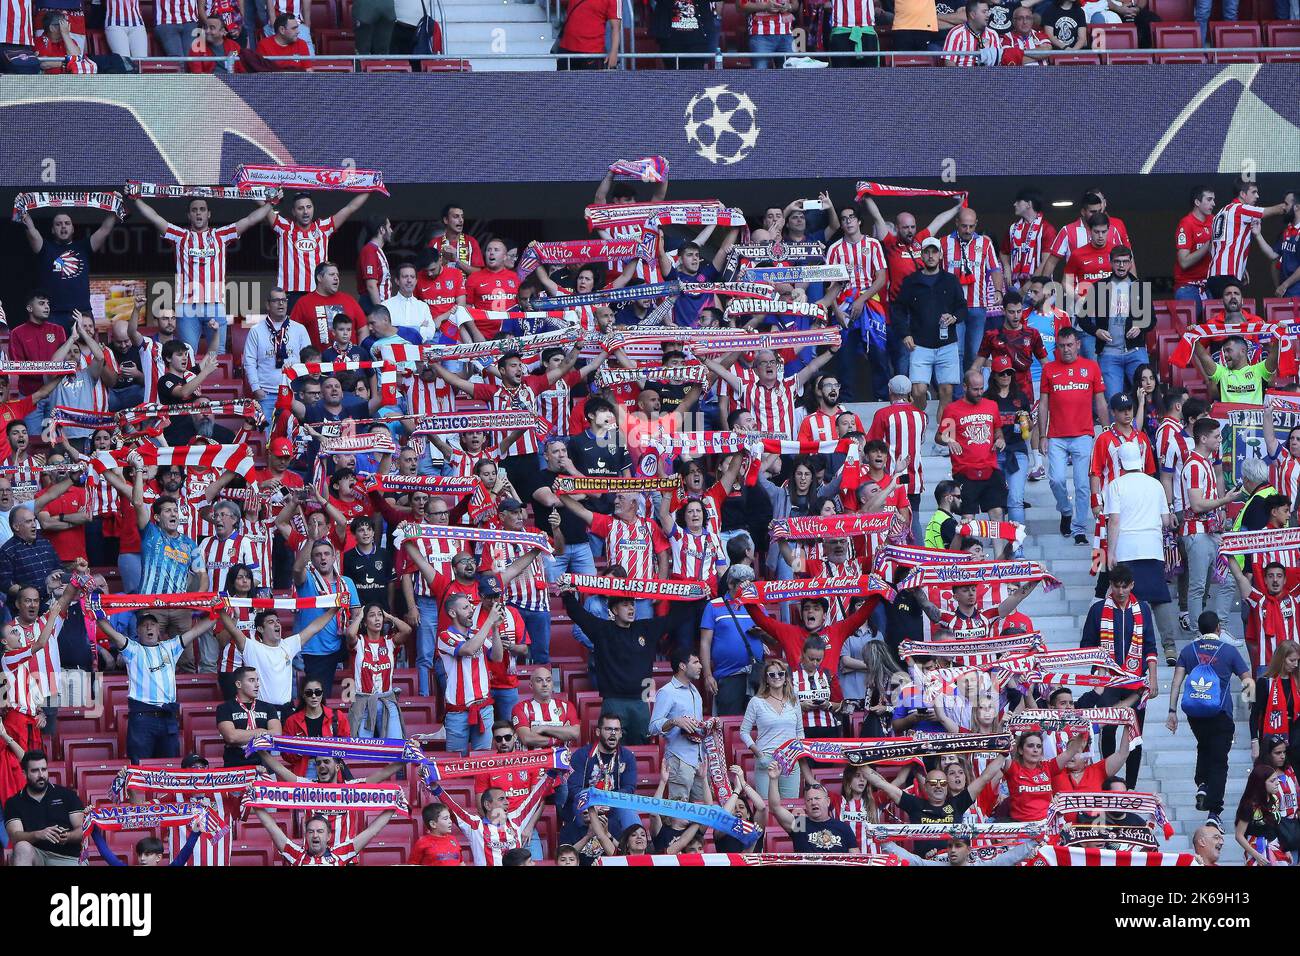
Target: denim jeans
971,337
460,739
1015,483
1191,293
1077,452
150,735
129,397
1201,13
1203,592
899,357
769,44
192,323
504,700
1119,367
363,726
132,571
268,409
36,417
426,641
538,624
175,40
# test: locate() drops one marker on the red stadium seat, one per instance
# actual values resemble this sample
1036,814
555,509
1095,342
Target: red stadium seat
331,66
87,750
1276,310
1144,59
244,855
1282,56
1234,34
1176,36
150,66
96,44
548,829
587,704
903,59
1082,59
576,682
445,66
336,42
1283,33
1214,308
197,688
1114,36
76,724
649,760
345,14
406,681
1172,10
379,853
94,782
323,14
385,66
419,714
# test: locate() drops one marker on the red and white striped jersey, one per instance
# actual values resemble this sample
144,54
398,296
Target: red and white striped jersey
852,13
982,624
463,462
24,685
123,13
230,656
340,854
502,398
1173,445
1034,40
292,7
971,262
1285,474
855,811
200,262
152,366
428,398
814,688
505,672
1027,242
819,567
900,425
1230,246
177,11
697,557
555,404
645,271
527,590
300,251
820,426
1076,236
16,23
1263,611
773,407
220,556
207,852
467,677
865,259
633,544
489,842
372,664
46,664
1199,474
772,24
962,39
1105,453
102,497
712,500
373,264
438,552
26,481
535,714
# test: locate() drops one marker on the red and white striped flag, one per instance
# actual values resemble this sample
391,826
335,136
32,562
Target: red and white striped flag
751,859
1096,856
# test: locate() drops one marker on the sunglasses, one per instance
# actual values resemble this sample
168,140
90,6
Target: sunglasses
773,675
505,738
313,693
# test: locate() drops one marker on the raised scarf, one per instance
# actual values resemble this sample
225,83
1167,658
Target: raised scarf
453,423
876,749
1090,834
528,539
583,251
370,443
335,589
631,293
186,782
613,215
817,527
146,816
1253,328
434,484
796,589
979,572
236,458
668,374
104,604
997,530
931,831
636,587
311,177
714,746
136,189
1106,801
971,648
525,345
1256,542
1132,663
599,484
1275,719
1046,719
773,274
320,602
1098,681
108,202
9,367
753,342
238,407
774,307
325,796
65,417
434,769
709,815
777,250
889,558
386,371
1096,856
1067,657
735,290
867,187
751,859
658,334
650,169
360,749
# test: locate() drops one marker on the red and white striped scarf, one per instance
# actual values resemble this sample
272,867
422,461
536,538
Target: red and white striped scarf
960,650
650,169
751,859
146,816
796,589
818,527
528,539
998,530
1096,856
453,423
108,202
1253,328
869,188
774,341
236,458
1133,658
614,215
311,177
980,572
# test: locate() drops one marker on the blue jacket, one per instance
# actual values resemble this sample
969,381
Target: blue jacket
583,767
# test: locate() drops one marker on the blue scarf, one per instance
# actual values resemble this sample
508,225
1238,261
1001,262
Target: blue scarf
629,293
709,815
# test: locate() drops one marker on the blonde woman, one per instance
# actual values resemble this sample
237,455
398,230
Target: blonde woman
771,718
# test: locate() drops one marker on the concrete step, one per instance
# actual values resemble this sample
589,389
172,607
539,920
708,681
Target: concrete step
507,65
472,12
498,37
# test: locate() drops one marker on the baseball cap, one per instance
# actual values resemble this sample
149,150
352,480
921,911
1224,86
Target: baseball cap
1121,402
282,447
510,504
900,385
932,243
1001,363
193,760
489,586
1130,456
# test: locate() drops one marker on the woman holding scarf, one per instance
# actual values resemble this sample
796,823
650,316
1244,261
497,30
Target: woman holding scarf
372,637
748,805
239,584
697,555
1258,817
1030,779
1275,711
1275,754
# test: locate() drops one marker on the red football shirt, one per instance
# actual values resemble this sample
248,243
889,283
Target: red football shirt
1031,791
1069,391
12,411
1192,232
975,428
315,313
441,293
584,30
70,543
1089,264
269,46
901,260
488,289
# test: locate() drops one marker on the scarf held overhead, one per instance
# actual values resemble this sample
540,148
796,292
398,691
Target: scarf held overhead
772,341
971,648
979,572
141,190
635,587
1107,801
877,749
815,527
325,796
796,589
751,859
529,539
24,203
868,188
311,177
1256,329
598,485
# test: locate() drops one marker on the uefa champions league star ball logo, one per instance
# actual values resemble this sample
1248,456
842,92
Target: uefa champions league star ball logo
722,126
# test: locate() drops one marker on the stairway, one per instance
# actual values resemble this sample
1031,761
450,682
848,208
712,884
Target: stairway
1168,759
472,28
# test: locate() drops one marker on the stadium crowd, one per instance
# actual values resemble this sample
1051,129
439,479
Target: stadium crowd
577,552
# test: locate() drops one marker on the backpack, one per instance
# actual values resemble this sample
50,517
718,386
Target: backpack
428,33
1204,691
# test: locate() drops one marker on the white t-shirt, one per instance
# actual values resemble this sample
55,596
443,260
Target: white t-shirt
274,667
1140,501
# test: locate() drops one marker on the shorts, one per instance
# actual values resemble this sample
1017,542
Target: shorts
977,496
943,363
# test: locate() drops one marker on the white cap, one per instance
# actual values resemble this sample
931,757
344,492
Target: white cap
1130,456
932,242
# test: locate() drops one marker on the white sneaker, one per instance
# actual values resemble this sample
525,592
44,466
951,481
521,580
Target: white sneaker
803,63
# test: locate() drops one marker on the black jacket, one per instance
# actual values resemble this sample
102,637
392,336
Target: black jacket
1091,323
921,300
625,656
